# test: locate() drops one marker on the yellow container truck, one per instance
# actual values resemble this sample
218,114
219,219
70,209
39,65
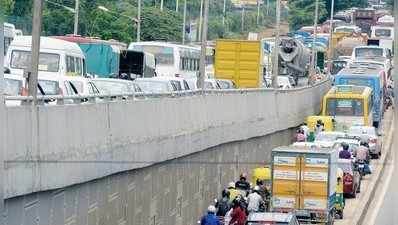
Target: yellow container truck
304,181
239,61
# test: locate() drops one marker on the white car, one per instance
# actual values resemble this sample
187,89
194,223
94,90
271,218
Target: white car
327,138
209,84
369,133
13,86
155,85
285,82
112,86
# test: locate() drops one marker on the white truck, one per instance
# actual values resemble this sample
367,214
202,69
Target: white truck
384,35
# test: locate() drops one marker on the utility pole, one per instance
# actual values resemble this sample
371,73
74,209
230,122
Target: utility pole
202,65
275,66
184,22
223,13
161,5
200,21
176,5
139,21
76,27
35,54
258,13
313,53
267,7
2,114
243,18
330,55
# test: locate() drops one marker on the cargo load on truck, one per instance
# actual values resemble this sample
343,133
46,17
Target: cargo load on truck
304,181
239,61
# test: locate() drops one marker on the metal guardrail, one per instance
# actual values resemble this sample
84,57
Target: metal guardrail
98,98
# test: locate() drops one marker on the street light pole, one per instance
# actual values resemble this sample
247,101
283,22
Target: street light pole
184,22
202,65
36,31
139,21
76,27
223,13
313,54
200,20
161,5
176,5
267,7
275,66
330,55
258,12
243,18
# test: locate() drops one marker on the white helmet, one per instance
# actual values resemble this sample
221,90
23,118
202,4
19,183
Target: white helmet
211,209
256,188
231,185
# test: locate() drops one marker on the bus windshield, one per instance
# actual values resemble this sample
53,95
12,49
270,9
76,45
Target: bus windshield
369,52
359,82
48,62
345,107
163,55
383,33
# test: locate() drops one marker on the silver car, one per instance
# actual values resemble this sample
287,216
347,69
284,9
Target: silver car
369,135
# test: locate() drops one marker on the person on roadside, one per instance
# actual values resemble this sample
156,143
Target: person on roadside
223,205
242,183
210,218
345,153
233,193
254,200
238,216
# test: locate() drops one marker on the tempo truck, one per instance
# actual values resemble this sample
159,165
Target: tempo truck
304,181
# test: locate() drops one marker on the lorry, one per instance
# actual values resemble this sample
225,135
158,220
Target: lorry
365,19
383,36
304,181
106,59
239,61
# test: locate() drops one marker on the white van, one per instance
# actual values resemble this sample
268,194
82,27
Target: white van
57,57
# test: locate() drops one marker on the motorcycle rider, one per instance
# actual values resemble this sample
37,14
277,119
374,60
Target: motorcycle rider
345,153
254,200
210,218
223,205
238,216
233,193
362,156
242,183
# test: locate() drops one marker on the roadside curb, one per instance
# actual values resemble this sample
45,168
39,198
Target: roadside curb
374,184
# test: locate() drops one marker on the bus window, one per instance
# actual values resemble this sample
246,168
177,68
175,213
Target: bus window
345,107
70,64
48,62
163,55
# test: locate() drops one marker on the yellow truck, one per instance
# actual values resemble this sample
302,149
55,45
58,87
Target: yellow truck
304,181
239,61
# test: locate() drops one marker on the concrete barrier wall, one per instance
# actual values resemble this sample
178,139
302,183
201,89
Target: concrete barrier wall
175,192
51,147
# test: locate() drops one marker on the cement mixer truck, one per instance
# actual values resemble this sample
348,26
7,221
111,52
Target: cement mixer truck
294,58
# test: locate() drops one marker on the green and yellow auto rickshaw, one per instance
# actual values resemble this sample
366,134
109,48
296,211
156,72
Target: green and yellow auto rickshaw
340,201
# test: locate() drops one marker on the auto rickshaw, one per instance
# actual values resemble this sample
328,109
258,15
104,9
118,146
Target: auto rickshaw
328,122
340,201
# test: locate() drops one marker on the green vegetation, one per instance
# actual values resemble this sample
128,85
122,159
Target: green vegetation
156,24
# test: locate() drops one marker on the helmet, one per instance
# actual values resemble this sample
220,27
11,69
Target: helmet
345,146
211,209
256,188
363,143
243,176
225,193
231,185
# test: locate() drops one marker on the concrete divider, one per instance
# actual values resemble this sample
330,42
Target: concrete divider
50,147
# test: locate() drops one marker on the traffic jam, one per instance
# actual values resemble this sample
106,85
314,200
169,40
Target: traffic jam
313,180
